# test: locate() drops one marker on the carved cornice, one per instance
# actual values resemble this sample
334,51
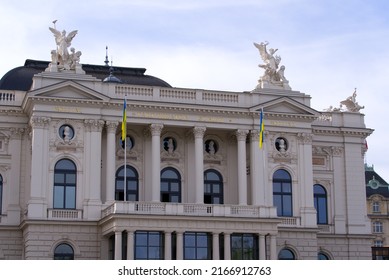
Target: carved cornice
363,132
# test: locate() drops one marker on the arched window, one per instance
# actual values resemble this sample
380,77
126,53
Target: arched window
63,252
282,193
65,172
286,254
132,183
213,187
170,185
320,200
322,256
1,194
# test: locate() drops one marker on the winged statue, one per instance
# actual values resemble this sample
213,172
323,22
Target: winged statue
273,74
351,103
61,55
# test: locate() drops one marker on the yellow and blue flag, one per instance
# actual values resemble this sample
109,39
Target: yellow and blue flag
124,122
261,128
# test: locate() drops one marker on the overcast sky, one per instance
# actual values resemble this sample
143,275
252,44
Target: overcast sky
328,47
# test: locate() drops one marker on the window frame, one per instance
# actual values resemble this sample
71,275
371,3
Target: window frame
282,197
241,250
63,256
196,246
320,199
148,245
64,185
376,207
286,250
166,196
210,197
378,227
130,179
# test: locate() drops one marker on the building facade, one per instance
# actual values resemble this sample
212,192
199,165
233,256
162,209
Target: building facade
377,197
190,182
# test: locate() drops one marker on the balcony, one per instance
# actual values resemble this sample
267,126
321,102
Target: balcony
64,214
188,209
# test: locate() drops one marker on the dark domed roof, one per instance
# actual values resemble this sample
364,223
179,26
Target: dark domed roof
20,78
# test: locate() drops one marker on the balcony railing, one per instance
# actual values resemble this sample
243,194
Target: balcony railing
64,214
188,209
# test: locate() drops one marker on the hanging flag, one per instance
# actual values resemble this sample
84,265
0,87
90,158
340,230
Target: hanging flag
124,122
261,128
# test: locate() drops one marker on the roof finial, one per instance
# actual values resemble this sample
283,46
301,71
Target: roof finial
106,61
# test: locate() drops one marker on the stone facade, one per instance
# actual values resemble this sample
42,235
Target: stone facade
219,183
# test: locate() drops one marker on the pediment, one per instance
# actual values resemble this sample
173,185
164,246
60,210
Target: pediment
286,106
69,90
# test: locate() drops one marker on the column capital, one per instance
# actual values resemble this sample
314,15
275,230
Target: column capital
156,129
241,134
94,125
254,135
198,131
111,126
39,122
304,138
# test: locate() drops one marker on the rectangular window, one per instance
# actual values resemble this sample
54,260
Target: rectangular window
149,245
197,246
244,246
377,227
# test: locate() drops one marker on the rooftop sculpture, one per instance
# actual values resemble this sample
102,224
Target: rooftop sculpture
274,75
61,58
350,103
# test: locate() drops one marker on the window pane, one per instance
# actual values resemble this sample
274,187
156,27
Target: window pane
119,184
59,196
131,197
70,178
202,240
141,252
70,197
202,253
287,205
132,185
281,175
154,239
210,175
154,252
207,188
141,239
174,187
169,174
216,188
286,187
190,240
276,187
174,198
59,178
164,186
190,253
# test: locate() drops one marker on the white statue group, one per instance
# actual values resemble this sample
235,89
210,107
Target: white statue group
61,57
274,75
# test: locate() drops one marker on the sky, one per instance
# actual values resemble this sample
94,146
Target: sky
329,47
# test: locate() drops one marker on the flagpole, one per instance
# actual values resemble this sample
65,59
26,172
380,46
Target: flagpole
124,140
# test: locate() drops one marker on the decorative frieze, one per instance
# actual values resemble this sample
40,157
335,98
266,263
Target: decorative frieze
304,138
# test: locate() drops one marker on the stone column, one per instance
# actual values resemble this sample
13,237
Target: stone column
215,246
168,245
307,208
227,245
155,130
37,204
13,208
257,184
242,166
199,163
180,245
92,156
262,247
130,245
339,191
110,165
118,245
273,247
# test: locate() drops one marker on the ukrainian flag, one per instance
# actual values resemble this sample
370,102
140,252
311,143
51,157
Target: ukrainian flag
261,128
124,122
